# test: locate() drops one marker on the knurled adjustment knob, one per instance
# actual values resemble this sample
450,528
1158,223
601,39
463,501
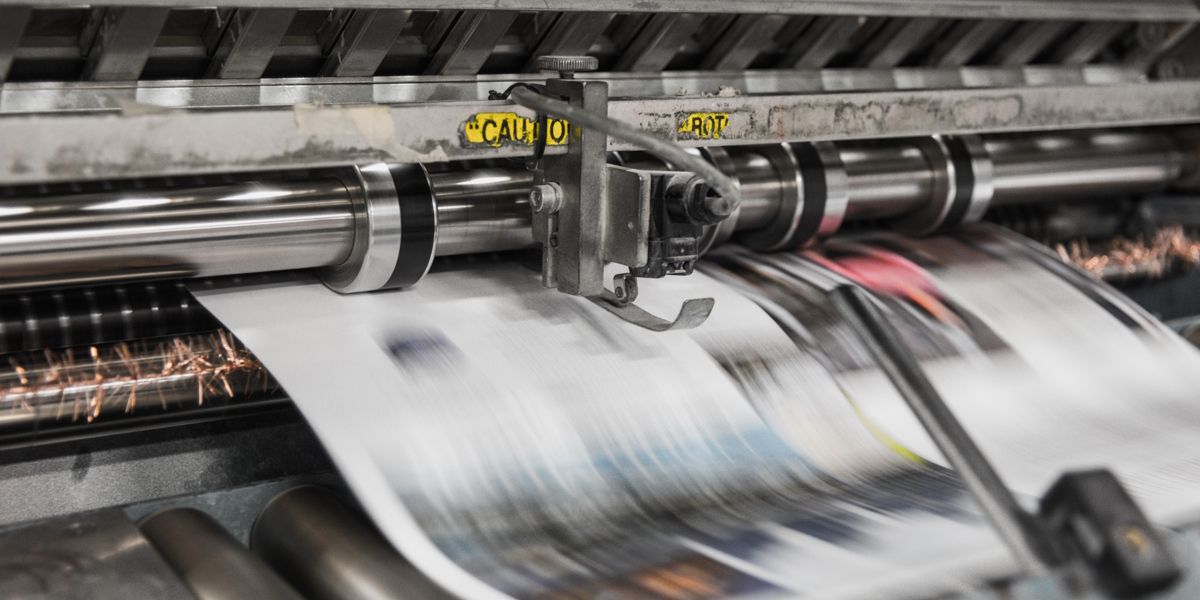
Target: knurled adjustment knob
567,65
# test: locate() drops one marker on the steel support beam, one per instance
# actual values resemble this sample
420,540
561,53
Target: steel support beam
122,43
1026,42
964,40
898,39
363,43
658,42
44,147
1092,10
1086,42
248,42
16,98
469,42
743,41
12,26
571,35
824,38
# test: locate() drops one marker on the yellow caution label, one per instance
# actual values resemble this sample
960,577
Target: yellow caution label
501,129
703,126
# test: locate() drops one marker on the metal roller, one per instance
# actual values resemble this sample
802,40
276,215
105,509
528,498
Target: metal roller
212,563
98,315
329,553
157,234
482,210
886,179
1053,167
379,226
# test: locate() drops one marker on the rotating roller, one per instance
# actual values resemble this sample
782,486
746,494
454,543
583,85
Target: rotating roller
330,553
98,315
380,226
213,564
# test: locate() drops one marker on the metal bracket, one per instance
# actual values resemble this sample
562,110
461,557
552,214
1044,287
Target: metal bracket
588,213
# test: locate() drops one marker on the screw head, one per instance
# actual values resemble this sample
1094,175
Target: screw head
566,65
545,197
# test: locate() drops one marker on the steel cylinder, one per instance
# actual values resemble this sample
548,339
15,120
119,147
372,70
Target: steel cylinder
1053,167
328,552
99,314
760,187
209,560
254,227
885,179
195,232
482,210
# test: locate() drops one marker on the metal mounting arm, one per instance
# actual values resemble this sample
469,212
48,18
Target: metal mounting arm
1086,518
588,213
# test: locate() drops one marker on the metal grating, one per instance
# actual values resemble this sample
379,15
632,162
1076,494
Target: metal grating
149,43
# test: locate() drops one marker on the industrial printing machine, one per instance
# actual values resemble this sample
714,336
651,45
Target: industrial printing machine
152,149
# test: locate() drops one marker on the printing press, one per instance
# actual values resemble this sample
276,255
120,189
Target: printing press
671,299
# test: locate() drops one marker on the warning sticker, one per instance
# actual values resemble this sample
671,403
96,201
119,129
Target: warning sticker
501,129
703,126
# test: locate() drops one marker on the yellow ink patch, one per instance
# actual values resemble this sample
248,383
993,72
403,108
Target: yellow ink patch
501,129
704,126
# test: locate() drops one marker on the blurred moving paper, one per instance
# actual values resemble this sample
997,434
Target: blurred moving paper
512,441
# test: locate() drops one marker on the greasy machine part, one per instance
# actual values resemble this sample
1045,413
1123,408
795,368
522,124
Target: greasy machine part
212,563
356,562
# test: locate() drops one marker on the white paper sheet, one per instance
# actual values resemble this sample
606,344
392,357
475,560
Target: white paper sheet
512,441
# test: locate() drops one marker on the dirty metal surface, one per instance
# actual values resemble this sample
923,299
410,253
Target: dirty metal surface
137,143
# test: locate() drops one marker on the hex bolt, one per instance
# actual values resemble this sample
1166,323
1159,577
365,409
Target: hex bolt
546,197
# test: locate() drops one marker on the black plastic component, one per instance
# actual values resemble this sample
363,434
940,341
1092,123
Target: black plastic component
673,243
1092,510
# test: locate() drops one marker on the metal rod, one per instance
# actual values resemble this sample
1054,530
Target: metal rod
1053,167
255,227
196,232
329,553
482,210
885,180
1029,543
97,315
210,560
761,190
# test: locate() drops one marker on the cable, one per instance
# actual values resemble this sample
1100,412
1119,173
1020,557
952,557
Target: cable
730,198
539,148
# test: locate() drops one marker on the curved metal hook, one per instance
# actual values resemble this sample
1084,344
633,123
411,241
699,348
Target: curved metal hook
691,314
